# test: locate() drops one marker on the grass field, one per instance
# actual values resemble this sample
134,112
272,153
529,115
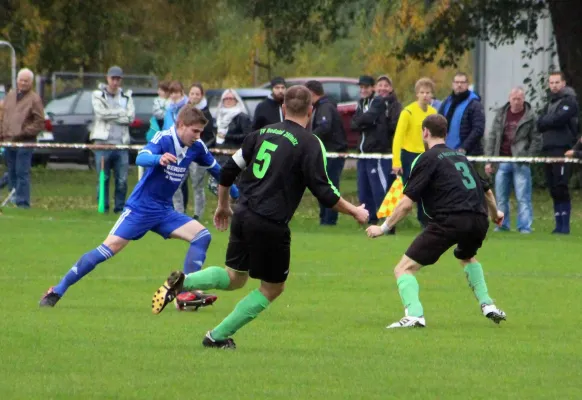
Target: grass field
325,338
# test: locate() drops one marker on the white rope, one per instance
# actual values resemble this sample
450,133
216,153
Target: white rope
355,156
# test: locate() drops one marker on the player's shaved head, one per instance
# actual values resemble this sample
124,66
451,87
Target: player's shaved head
190,115
297,101
436,125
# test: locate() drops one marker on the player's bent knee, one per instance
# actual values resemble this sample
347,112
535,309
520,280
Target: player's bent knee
272,290
237,279
188,231
406,266
115,243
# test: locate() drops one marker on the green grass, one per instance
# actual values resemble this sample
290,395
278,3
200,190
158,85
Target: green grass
325,338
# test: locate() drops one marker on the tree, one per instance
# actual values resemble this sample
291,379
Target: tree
457,25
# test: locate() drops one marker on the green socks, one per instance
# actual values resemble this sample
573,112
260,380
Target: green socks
208,278
408,289
474,273
245,311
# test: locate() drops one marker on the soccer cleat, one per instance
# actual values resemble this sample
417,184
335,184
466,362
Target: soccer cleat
49,299
408,322
493,313
218,344
193,300
168,291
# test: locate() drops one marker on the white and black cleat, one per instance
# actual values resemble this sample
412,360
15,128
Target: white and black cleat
493,313
408,322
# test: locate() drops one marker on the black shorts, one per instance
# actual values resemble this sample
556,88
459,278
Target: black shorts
259,246
466,230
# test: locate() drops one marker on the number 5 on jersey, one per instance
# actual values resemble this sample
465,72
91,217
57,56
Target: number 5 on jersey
264,156
468,179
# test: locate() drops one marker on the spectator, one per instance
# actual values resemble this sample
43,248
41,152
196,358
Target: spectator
408,142
270,110
232,121
559,127
436,104
514,134
393,106
22,121
4,180
196,172
576,152
465,116
177,100
114,112
374,178
161,103
326,123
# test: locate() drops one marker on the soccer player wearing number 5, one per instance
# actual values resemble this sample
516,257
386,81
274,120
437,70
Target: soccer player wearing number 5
278,162
456,201
150,207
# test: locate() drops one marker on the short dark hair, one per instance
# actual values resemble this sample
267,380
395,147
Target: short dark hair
562,76
463,74
297,101
164,85
190,115
176,87
436,125
197,85
316,87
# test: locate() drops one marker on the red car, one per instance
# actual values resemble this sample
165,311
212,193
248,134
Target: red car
345,92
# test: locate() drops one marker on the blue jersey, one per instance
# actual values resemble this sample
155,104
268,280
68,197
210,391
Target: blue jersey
158,184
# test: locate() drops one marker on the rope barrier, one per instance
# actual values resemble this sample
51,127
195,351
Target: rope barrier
354,156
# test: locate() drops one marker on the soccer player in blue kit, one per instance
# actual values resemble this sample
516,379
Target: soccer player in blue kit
150,208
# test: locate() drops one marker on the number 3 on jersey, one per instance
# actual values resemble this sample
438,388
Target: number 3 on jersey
264,156
468,180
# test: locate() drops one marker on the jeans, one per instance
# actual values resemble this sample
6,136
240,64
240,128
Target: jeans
407,159
118,161
374,180
335,166
197,175
518,175
19,162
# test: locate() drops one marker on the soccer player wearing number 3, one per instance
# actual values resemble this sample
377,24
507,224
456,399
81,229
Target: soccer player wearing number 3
150,206
456,201
278,162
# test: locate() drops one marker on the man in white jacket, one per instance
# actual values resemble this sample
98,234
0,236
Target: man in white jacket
114,112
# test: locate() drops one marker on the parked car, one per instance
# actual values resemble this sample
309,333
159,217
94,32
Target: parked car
345,92
250,96
69,118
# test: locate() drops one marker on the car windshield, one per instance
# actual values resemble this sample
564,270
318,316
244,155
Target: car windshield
144,104
60,106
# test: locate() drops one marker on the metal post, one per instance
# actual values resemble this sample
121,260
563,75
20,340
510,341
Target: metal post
13,54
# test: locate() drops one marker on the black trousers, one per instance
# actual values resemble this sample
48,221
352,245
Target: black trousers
558,177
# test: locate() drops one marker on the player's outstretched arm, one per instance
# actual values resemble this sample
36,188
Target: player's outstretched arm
495,215
360,213
402,209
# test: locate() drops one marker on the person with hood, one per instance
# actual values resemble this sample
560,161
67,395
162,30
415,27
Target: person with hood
196,172
270,111
558,124
326,124
177,100
114,112
232,121
465,116
374,178
514,134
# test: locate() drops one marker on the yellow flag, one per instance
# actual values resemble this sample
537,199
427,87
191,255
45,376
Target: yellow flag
392,198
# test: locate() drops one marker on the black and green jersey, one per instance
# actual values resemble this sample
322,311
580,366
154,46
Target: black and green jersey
279,162
445,182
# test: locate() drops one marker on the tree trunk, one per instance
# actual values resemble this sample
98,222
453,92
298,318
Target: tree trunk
566,19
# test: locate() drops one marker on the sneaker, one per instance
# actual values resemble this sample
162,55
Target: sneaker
409,322
218,344
493,313
168,291
193,300
49,299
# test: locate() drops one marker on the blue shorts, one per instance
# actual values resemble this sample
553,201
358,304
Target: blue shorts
133,225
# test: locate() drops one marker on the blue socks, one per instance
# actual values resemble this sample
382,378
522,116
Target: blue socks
86,264
197,252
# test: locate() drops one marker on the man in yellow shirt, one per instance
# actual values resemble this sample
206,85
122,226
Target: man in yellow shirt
408,142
